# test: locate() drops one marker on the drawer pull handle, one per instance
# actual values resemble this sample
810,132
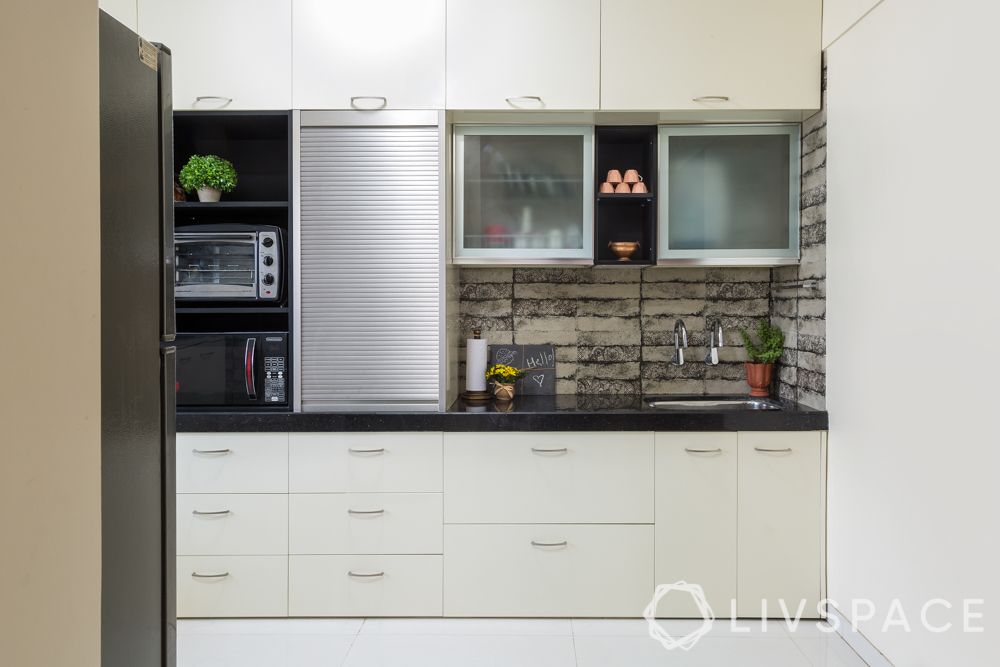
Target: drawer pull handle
379,450
555,450
199,575
366,512
513,101
373,98
218,513
221,99
564,543
782,450
365,575
717,450
711,98
212,451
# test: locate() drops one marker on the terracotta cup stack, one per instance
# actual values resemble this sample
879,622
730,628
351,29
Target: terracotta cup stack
617,184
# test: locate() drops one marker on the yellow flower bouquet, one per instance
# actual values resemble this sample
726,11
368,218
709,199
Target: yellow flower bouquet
503,378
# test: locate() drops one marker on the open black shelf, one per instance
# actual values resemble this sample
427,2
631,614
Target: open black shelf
626,217
208,206
231,310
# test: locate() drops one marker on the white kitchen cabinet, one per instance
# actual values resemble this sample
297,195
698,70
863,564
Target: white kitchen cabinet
710,54
124,11
547,570
232,586
696,530
523,54
548,478
363,585
227,54
252,524
375,54
232,463
781,522
524,194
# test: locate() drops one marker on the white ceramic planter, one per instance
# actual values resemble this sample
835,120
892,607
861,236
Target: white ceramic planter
209,194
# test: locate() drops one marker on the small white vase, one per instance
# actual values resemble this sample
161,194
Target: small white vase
209,194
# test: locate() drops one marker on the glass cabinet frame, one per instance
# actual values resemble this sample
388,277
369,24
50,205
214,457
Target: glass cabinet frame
582,255
730,256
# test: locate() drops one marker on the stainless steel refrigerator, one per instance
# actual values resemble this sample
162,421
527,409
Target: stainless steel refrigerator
138,617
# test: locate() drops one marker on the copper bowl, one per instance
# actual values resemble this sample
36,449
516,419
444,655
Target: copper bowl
624,249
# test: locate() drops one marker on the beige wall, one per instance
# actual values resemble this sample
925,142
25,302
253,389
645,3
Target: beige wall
50,562
911,308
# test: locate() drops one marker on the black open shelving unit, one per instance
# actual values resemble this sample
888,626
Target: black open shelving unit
626,217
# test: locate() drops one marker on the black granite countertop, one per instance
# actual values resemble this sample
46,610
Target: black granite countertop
525,413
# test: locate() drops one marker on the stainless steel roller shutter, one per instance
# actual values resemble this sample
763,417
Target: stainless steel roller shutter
370,239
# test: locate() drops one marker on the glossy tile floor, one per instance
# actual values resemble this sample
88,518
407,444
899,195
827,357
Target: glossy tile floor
499,643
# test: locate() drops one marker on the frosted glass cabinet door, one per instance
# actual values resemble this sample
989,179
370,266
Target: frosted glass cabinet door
524,194
729,194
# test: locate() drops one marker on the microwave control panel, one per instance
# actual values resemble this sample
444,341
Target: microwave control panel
275,371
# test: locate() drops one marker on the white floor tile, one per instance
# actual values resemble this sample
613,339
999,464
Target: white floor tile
778,651
829,651
722,627
811,629
252,650
454,651
467,626
268,626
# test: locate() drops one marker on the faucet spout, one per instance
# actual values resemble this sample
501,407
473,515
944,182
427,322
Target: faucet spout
715,341
680,342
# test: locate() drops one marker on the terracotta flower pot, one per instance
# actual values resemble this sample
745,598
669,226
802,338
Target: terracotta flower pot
503,392
759,378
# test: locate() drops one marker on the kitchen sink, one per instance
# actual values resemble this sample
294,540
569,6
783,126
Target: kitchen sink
714,403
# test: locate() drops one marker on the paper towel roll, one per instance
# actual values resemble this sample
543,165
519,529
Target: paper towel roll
475,364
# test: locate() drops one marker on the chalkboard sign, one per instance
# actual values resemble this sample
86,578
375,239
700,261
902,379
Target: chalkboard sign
539,361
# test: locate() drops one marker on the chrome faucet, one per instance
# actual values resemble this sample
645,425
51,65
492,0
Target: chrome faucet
715,341
680,342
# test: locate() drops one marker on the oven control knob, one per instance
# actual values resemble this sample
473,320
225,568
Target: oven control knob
268,260
267,242
268,279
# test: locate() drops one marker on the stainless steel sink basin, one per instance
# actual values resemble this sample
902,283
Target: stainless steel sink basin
709,403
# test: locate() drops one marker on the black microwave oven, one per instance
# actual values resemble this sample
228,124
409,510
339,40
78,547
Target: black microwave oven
233,370
228,262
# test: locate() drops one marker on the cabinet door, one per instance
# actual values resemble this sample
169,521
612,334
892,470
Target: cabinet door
522,54
710,54
376,54
729,194
524,193
781,519
227,54
232,463
696,520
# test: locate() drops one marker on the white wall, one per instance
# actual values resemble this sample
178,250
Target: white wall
50,397
912,312
840,15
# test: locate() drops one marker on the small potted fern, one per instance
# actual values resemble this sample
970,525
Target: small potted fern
762,355
210,175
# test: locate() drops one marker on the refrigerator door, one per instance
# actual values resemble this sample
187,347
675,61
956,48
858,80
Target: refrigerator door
136,426
168,324
168,430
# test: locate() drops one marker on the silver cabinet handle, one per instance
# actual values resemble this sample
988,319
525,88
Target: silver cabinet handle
212,451
366,512
379,450
717,450
219,513
711,98
226,101
365,575
512,100
782,450
535,543
199,575
354,101
554,450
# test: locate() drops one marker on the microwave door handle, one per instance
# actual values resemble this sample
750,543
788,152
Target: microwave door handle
248,368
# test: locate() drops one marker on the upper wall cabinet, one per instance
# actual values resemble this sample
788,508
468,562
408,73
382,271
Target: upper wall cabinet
226,54
524,54
710,54
370,54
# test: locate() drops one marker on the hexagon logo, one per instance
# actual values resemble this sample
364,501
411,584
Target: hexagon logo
660,634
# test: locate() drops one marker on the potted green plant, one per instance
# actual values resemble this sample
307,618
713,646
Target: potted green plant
762,355
210,175
503,378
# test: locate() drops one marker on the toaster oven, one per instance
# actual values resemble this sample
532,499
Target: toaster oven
228,262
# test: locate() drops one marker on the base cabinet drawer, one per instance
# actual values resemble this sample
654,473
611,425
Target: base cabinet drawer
364,586
365,523
547,570
232,463
232,524
232,586
364,462
548,478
